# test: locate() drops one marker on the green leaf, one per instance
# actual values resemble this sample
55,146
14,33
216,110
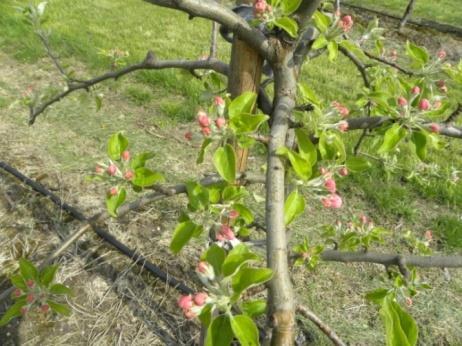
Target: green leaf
246,123
357,164
321,21
290,6
219,332
377,296
254,308
419,138
198,196
332,47
145,177
12,312
59,308
114,202
18,281
244,212
320,42
301,166
183,233
140,159
392,137
244,103
60,289
205,144
245,330
236,257
48,274
419,55
224,160
293,207
27,269
353,48
400,327
116,145
288,25
234,193
306,148
308,95
248,277
332,147
215,255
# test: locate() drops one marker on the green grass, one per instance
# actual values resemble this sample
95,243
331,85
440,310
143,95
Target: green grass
443,11
74,135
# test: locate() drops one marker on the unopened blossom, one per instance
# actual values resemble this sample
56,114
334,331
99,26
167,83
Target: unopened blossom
441,54
343,171
402,101
185,302
409,301
233,214
346,23
99,169
203,119
341,109
332,201
189,314
442,86
129,175
428,235
415,90
200,298
206,131
113,191
435,128
17,292
112,169
218,101
260,7
226,233
424,105
330,185
188,135
205,271
45,308
30,283
343,126
125,155
363,218
220,122
30,298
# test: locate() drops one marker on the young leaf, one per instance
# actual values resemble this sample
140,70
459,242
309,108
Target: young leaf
306,149
377,296
320,42
60,289
215,255
321,21
244,103
419,138
205,144
301,167
140,159
245,330
419,55
246,123
27,269
290,6
357,164
18,281
59,308
219,332
392,137
198,196
183,233
236,257
248,277
224,160
400,327
254,308
244,212
12,312
332,47
293,207
114,202
145,177
116,145
48,274
288,25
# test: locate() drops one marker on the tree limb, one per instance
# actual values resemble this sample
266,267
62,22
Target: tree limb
393,259
389,63
209,9
454,114
149,63
304,311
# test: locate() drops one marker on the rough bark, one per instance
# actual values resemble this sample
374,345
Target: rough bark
281,296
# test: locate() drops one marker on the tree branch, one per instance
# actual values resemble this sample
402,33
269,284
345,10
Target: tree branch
393,259
454,114
389,63
304,311
149,63
209,9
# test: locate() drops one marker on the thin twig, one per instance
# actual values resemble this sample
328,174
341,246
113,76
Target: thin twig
304,311
389,63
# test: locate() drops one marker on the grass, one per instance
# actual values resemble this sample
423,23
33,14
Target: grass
443,11
154,109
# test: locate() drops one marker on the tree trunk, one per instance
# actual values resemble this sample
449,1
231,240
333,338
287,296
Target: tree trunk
281,296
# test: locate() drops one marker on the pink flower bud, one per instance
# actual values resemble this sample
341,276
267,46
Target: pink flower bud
185,302
337,13
341,109
440,83
435,128
363,218
424,105
112,170
428,235
202,267
129,175
415,90
323,171
336,201
30,283
17,293
441,54
227,232
326,202
206,131
220,122
305,255
125,155
189,314
203,119
343,126
218,101
343,171
99,169
346,23
409,301
402,101
24,310
30,298
233,214
188,135
260,6
45,308
113,191
330,185
200,298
